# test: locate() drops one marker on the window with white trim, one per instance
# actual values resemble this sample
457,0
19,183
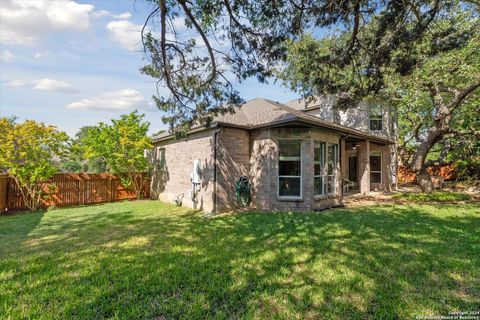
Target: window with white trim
325,168
375,113
375,167
319,168
290,169
332,161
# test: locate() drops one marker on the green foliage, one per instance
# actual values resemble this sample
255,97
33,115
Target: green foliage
75,160
468,169
121,145
151,260
28,151
438,196
225,41
426,96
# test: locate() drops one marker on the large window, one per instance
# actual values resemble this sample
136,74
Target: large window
325,168
332,160
375,167
290,169
375,115
319,168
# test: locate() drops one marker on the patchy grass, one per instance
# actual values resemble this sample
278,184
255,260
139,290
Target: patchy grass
146,259
436,196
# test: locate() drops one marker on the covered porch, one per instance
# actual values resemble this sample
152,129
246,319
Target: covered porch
367,166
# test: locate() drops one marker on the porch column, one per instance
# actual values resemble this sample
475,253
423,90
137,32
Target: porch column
364,157
342,167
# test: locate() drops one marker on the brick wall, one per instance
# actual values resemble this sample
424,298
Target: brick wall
174,178
233,162
264,168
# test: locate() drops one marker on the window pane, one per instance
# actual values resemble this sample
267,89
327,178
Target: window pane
289,149
319,151
289,168
318,185
317,169
375,124
332,156
289,187
375,110
330,184
375,177
375,163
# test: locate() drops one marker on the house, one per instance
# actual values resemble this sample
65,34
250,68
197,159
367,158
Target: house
296,156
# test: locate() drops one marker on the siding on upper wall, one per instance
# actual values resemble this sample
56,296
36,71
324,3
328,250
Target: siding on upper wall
358,117
174,180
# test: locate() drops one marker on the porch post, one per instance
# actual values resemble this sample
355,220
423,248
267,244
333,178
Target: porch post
342,166
364,155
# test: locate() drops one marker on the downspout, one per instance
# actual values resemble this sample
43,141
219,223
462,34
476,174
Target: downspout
215,142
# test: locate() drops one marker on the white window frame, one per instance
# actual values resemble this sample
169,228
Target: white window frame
322,168
300,197
370,106
324,171
376,153
335,169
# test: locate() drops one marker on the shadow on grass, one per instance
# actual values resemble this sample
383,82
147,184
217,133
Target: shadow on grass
388,262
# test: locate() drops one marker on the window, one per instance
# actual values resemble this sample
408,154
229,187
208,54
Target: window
375,167
325,168
332,160
290,169
319,168
375,116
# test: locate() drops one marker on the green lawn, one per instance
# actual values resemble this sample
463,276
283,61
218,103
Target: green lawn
150,260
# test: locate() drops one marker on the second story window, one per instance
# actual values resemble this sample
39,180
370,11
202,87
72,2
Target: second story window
375,117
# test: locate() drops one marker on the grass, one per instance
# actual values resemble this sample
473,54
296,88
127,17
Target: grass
436,196
146,259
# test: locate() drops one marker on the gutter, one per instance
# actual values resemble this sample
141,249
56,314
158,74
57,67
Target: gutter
307,119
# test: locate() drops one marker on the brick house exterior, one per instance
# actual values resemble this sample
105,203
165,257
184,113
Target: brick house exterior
296,156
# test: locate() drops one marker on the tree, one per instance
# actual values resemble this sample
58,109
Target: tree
439,100
232,40
122,144
28,153
434,82
75,160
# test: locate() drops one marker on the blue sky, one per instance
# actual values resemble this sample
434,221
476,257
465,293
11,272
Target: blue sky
75,63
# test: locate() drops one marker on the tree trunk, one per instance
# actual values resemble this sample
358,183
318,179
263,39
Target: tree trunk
424,179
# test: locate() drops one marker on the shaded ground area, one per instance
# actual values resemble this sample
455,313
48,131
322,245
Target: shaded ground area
146,259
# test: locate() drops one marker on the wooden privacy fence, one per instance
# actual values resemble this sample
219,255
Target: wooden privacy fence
72,189
447,171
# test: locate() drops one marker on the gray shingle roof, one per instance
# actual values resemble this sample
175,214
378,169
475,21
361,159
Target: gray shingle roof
261,112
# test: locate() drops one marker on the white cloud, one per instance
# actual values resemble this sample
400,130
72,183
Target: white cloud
105,13
25,22
126,33
6,56
47,84
126,99
41,54
16,83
